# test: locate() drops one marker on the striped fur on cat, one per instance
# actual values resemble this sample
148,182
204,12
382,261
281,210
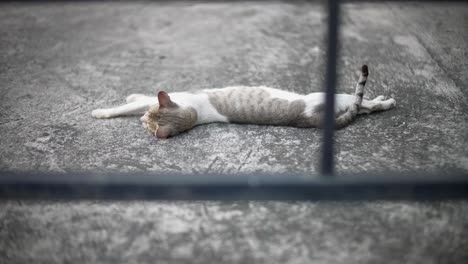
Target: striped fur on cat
170,114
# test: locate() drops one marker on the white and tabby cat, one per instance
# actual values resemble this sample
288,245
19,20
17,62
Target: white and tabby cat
170,114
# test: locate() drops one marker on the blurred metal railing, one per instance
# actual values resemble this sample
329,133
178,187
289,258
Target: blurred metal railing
179,186
332,53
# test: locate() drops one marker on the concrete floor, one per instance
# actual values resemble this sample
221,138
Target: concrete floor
59,61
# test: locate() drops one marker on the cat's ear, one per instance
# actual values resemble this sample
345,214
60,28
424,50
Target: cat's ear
163,132
165,100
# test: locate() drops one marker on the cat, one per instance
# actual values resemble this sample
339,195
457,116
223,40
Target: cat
170,114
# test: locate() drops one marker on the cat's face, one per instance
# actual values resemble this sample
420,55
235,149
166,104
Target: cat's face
168,119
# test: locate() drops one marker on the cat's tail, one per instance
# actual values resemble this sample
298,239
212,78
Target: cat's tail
349,116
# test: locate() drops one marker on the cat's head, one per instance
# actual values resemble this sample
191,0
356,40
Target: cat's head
168,119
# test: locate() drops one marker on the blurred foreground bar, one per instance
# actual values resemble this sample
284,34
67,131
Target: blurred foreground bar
171,186
327,164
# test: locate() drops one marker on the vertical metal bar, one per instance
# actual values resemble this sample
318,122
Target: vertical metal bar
329,121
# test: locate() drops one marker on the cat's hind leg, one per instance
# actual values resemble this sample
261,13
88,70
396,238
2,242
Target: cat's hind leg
137,107
378,104
379,98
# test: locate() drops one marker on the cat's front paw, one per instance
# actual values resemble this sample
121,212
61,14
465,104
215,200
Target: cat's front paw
391,103
101,113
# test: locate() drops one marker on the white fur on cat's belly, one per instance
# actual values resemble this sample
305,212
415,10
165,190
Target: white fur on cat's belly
342,102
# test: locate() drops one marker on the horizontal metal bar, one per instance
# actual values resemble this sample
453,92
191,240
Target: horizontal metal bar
171,186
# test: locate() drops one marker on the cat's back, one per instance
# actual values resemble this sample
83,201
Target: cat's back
257,104
256,92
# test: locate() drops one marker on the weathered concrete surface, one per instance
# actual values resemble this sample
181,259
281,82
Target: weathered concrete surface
246,232
59,61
